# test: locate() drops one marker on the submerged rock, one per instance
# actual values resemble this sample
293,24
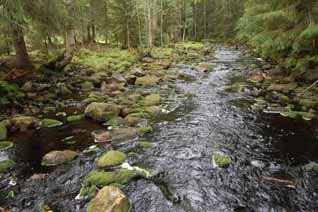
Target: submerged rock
111,158
55,158
102,111
102,137
221,160
109,199
6,165
3,131
51,123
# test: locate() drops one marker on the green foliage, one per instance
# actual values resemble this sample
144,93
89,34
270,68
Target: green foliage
9,93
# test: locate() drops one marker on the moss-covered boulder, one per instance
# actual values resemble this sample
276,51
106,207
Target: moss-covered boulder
6,165
3,131
221,160
151,100
75,118
102,111
111,158
4,145
55,158
147,80
134,118
88,192
109,199
51,123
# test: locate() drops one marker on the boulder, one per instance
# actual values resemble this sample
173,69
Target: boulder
151,100
111,158
221,160
109,199
55,158
23,123
102,111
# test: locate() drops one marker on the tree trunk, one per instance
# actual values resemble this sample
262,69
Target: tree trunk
22,57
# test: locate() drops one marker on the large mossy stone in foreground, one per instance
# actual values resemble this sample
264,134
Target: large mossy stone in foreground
111,158
151,100
109,199
55,158
3,131
221,160
100,111
6,165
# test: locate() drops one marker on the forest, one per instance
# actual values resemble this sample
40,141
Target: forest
158,105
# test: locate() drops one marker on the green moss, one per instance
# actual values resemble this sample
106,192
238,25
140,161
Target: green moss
134,118
89,191
188,45
144,144
147,81
151,100
74,118
103,178
50,123
6,165
111,158
144,130
221,160
5,145
3,131
87,85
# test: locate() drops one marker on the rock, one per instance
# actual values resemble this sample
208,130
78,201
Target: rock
144,144
27,87
282,87
4,145
147,81
88,192
102,111
258,164
204,67
221,160
109,199
312,166
236,87
49,109
153,110
151,100
74,118
117,121
112,87
144,130
87,85
102,137
308,104
55,158
51,123
24,122
6,165
3,131
111,158
134,118
257,77
137,72
122,134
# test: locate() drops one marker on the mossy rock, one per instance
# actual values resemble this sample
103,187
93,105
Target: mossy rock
87,85
144,144
144,130
6,165
151,100
147,81
51,123
134,118
4,145
308,103
221,160
111,158
104,178
153,110
109,199
132,154
55,158
102,111
117,121
3,131
75,118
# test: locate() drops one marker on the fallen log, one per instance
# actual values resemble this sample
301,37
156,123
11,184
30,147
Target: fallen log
60,62
287,183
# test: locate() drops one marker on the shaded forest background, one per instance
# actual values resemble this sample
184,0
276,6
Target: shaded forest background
283,30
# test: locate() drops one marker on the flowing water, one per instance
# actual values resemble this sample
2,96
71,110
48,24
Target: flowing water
267,151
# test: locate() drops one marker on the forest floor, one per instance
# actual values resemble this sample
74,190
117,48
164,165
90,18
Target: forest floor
65,134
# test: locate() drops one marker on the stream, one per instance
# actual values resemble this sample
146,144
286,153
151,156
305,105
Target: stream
268,153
